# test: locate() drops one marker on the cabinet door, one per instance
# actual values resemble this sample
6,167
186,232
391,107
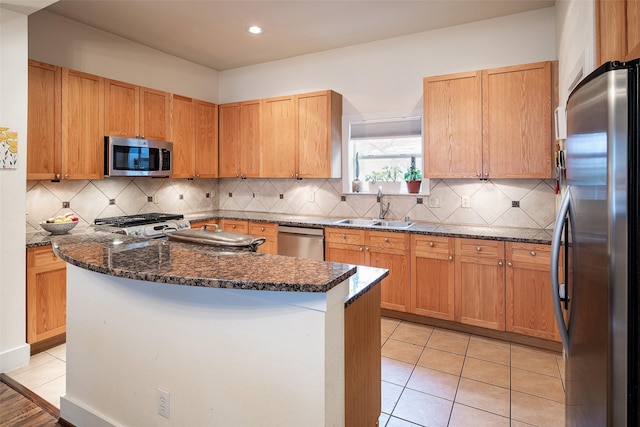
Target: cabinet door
206,139
453,125
517,121
44,121
229,150
183,125
318,130
155,107
390,251
432,276
344,253
240,141
278,138
270,232
250,139
82,125
46,294
617,30
480,283
122,113
239,226
529,301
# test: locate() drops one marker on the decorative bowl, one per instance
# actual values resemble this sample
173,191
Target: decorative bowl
58,227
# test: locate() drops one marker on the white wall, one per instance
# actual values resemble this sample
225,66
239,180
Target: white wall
14,351
61,41
386,76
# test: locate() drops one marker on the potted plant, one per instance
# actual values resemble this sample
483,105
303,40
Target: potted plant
413,177
356,184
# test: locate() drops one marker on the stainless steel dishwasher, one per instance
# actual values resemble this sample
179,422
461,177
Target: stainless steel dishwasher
302,242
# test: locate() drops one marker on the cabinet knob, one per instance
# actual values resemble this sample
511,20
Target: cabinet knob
431,244
66,176
197,175
233,226
533,253
138,136
366,249
238,175
57,176
500,263
478,248
143,137
478,174
261,228
386,239
361,249
450,258
293,175
510,264
344,236
486,174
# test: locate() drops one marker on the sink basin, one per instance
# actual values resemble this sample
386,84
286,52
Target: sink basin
394,224
361,222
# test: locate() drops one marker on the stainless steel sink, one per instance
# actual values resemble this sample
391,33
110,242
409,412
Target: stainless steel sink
360,222
394,224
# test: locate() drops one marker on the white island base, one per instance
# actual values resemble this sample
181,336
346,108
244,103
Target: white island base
241,358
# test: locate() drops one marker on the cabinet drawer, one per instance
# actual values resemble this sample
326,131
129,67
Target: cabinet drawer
381,239
235,225
258,229
432,245
528,253
42,255
480,248
344,235
198,224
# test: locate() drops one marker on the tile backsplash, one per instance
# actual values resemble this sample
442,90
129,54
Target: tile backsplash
486,203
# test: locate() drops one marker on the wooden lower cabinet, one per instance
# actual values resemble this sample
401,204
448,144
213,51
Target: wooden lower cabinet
529,307
480,283
268,231
432,276
198,224
240,226
46,294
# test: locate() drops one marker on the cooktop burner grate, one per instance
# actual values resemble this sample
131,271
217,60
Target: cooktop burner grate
133,220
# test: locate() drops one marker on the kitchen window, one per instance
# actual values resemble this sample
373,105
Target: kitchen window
380,152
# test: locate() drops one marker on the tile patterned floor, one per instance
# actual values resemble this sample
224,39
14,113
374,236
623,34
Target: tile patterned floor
437,377
430,377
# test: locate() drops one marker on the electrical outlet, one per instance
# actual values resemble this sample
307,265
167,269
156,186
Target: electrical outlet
312,197
256,195
466,202
164,403
212,193
434,202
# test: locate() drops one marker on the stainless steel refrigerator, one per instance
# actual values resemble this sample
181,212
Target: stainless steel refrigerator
595,266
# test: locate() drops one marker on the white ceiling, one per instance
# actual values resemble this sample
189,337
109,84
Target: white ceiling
213,33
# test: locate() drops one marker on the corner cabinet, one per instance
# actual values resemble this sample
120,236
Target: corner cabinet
46,294
240,149
492,123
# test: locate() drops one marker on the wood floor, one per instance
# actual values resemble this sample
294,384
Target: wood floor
21,409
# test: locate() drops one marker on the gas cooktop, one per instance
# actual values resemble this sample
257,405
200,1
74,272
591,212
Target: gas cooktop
139,219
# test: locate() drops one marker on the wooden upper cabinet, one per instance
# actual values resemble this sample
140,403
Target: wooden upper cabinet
278,137
617,30
206,139
136,112
44,122
239,139
183,125
319,134
82,125
517,121
453,125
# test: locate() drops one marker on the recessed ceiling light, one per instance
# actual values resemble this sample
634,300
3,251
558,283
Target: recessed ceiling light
254,29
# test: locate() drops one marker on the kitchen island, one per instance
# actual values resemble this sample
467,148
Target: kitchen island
166,333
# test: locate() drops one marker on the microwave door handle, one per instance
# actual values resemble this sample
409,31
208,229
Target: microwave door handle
556,242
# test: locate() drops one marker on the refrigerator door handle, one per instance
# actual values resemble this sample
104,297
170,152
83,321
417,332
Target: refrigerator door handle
556,242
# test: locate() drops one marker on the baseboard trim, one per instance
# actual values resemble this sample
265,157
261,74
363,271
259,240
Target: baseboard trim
14,358
40,346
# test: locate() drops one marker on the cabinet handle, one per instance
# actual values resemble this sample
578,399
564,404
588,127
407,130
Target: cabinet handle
533,253
431,244
450,258
509,264
500,263
478,248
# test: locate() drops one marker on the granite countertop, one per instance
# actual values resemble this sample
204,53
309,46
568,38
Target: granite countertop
198,265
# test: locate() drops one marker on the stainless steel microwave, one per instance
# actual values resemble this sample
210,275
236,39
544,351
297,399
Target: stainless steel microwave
137,157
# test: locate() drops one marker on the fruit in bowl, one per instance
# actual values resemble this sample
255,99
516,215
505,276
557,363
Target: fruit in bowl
60,224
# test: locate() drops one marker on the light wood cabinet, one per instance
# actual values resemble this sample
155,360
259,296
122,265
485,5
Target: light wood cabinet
240,226
278,137
617,30
44,122
82,125
376,249
432,276
480,283
46,294
206,156
199,224
136,112
490,124
240,149
529,307
268,231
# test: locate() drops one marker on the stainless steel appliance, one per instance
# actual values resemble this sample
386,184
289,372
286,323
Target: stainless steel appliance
597,229
137,157
211,235
301,242
147,225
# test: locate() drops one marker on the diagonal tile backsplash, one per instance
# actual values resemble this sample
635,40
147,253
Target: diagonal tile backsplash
488,202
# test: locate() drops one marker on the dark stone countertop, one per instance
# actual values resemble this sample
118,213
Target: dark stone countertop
186,264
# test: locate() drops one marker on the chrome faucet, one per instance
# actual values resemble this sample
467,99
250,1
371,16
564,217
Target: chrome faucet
383,210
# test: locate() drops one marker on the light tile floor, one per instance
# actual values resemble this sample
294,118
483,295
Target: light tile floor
430,377
437,377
